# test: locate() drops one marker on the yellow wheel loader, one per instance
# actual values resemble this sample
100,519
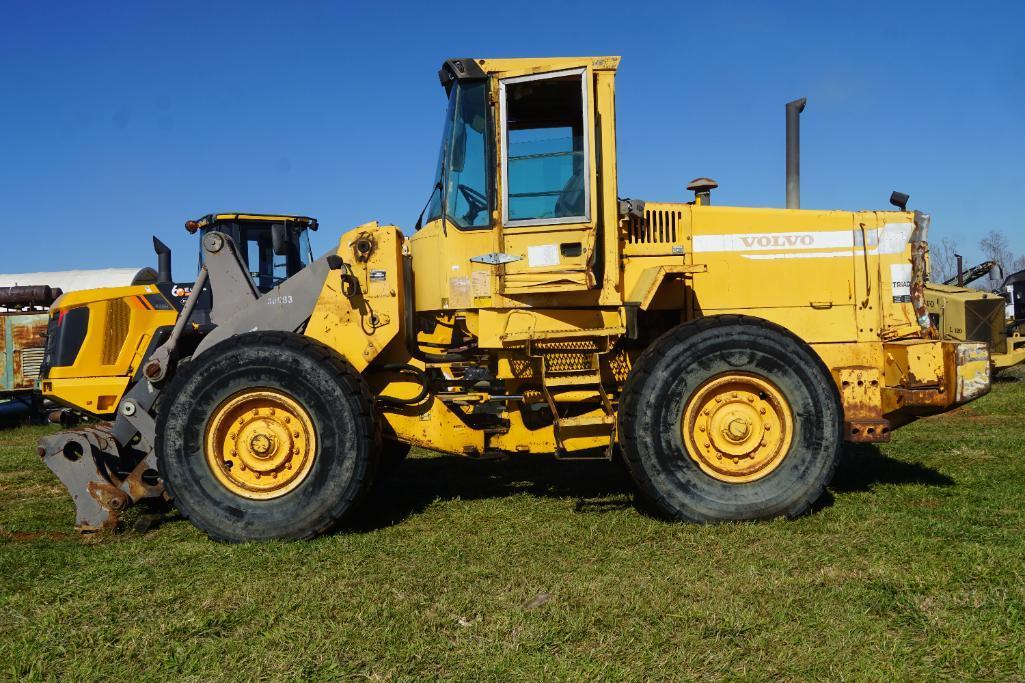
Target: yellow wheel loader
962,314
726,352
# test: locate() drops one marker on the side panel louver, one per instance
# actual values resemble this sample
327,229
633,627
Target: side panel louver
659,226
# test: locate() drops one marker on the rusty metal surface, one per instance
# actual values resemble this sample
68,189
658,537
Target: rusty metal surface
919,270
867,431
29,295
921,398
861,393
22,346
88,462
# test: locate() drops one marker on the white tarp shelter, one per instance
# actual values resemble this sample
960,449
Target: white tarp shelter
72,280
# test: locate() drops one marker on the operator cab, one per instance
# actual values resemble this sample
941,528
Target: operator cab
525,180
273,247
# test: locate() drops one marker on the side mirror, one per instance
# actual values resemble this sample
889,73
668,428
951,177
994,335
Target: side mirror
279,239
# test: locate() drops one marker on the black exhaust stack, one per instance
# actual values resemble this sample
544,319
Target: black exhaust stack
794,110
163,262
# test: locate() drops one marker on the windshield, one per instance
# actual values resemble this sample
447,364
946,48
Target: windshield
465,159
256,247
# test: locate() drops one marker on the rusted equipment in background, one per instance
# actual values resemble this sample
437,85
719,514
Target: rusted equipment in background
29,296
967,277
22,346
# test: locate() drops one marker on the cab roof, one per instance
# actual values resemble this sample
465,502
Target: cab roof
472,68
212,219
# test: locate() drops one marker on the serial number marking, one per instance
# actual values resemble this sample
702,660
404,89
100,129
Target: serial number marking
283,299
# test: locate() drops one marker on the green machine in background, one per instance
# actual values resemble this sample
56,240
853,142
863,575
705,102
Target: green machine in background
962,314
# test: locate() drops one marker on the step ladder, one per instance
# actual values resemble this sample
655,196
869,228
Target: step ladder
582,409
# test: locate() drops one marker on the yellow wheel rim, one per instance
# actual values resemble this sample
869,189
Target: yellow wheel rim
260,443
737,427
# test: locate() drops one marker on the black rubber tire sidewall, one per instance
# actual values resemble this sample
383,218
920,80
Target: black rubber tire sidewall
340,408
393,454
677,364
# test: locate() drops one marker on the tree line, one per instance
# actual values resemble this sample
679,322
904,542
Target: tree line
994,247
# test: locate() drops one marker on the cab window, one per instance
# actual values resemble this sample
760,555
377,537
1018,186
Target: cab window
256,247
267,268
464,165
545,155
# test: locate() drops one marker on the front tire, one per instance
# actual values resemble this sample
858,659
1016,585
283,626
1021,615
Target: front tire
267,435
730,418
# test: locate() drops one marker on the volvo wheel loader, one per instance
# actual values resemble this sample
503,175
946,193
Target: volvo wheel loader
727,353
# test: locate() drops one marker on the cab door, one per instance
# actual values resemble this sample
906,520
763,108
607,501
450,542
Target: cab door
547,190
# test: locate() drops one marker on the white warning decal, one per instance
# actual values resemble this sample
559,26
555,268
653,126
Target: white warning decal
543,255
900,282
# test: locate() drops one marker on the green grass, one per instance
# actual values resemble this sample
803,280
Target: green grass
911,569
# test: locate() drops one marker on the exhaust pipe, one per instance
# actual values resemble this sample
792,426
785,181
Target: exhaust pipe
163,262
794,110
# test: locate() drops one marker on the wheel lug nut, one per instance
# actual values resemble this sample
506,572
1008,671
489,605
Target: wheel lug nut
287,419
701,428
767,426
750,399
271,411
762,411
296,433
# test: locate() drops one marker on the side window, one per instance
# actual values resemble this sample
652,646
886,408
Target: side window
267,268
259,258
545,155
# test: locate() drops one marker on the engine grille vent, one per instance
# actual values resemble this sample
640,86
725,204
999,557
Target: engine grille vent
31,362
659,226
118,316
984,322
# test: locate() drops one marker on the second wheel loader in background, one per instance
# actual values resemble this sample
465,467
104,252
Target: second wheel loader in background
727,352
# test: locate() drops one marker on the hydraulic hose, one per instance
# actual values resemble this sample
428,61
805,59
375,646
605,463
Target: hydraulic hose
408,369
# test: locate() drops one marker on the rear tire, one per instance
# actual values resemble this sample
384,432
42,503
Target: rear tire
318,397
730,385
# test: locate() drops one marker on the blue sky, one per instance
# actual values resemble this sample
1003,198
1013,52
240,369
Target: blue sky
122,120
